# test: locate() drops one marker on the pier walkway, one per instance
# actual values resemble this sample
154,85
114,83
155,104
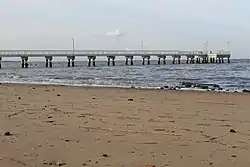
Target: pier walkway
190,56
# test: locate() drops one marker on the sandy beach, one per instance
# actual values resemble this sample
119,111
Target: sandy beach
44,126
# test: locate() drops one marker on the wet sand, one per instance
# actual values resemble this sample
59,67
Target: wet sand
99,127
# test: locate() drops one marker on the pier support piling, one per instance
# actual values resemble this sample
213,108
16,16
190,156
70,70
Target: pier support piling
164,60
93,58
89,63
71,60
193,61
179,60
113,61
46,63
148,60
222,60
108,62
68,62
163,57
22,63
126,61
228,59
25,62
50,62
143,61
173,62
0,62
159,60
131,61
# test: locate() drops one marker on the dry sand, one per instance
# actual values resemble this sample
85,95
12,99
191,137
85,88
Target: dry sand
100,127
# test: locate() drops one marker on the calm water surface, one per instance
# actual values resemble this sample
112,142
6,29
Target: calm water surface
234,76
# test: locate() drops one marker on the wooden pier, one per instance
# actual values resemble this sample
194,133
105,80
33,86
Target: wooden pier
191,57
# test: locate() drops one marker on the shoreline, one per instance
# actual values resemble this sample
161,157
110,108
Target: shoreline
168,89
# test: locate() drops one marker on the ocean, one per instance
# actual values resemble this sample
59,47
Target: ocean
234,76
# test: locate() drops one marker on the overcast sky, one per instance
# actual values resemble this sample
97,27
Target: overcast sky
162,24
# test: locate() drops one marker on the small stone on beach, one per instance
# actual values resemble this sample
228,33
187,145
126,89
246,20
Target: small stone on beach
19,98
105,155
232,131
60,163
7,134
130,99
58,95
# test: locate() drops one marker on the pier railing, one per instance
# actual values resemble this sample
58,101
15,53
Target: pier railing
40,53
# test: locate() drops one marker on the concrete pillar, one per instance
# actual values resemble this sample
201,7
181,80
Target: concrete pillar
213,60
164,60
219,60
126,61
187,60
22,63
68,62
108,61
193,60
73,61
173,62
228,59
159,60
143,60
93,59
89,63
25,62
113,61
197,60
0,62
216,60
131,60
222,60
50,62
179,60
148,60
46,62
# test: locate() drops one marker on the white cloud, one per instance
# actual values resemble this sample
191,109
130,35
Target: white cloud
115,33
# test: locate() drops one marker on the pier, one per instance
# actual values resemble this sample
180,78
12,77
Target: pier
191,57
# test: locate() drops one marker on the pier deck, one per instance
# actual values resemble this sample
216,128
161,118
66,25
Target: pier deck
191,56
